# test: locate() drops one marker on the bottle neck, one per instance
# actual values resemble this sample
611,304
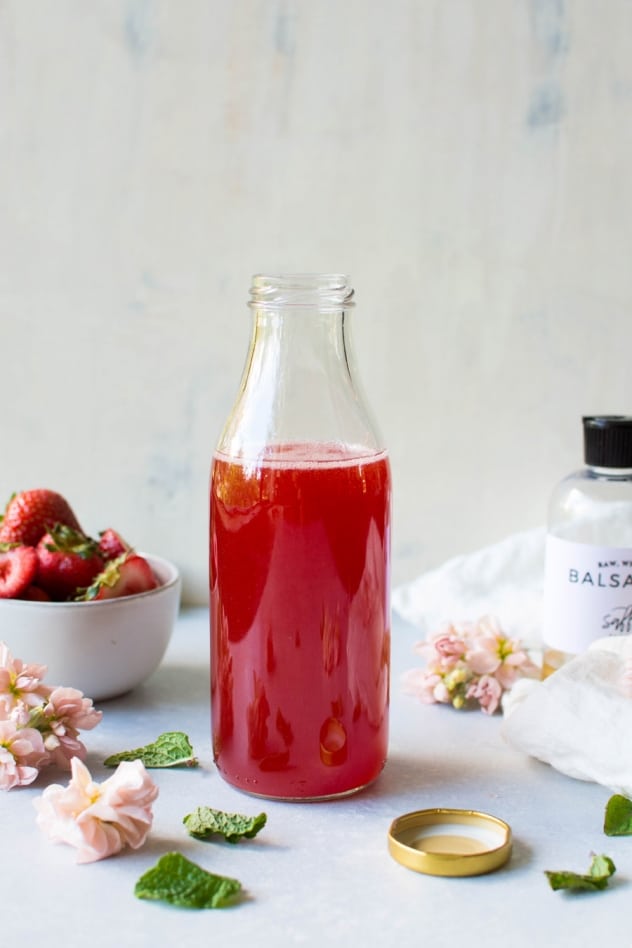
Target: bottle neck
299,385
612,473
301,337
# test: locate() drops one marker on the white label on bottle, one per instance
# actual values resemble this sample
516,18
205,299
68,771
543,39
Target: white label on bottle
587,593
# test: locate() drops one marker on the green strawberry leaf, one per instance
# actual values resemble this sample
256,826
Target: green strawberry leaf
171,749
177,880
205,822
618,817
601,868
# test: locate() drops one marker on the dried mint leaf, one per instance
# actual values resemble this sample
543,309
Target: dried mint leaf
177,880
601,868
205,822
171,749
618,817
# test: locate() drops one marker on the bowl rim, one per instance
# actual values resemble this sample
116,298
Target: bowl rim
160,566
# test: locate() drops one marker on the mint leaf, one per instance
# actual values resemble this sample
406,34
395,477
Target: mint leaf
618,818
171,749
601,868
177,880
205,822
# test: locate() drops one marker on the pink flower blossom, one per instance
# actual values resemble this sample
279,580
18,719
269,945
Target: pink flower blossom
63,715
99,819
68,705
493,653
20,682
428,686
450,647
21,754
20,715
487,690
39,724
444,649
472,662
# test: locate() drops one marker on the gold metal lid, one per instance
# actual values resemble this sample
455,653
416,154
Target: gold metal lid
444,842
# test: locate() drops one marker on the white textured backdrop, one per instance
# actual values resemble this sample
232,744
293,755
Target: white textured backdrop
466,161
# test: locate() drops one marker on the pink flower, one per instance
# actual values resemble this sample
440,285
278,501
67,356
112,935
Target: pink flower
444,649
492,653
69,706
65,713
21,754
467,663
450,646
39,724
20,682
487,690
99,819
20,715
425,685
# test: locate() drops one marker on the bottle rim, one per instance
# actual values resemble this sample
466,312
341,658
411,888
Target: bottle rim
323,291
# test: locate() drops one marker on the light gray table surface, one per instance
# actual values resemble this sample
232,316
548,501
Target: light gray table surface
321,874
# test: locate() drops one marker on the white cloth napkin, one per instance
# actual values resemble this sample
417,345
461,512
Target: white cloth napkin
579,719
504,580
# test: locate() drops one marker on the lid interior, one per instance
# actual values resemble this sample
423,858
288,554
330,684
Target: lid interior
450,842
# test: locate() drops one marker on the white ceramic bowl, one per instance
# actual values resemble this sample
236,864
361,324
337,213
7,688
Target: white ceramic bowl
102,648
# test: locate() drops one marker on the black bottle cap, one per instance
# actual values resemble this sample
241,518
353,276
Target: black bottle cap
608,440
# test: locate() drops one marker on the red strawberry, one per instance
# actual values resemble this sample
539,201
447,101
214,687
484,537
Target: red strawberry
34,594
126,575
67,561
18,567
112,544
31,513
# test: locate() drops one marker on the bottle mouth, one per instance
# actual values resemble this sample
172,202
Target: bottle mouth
321,290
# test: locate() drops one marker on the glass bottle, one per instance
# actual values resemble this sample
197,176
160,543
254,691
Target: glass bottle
300,556
588,562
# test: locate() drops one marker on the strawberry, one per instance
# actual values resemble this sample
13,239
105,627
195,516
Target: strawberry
128,574
18,567
112,544
67,560
31,513
34,593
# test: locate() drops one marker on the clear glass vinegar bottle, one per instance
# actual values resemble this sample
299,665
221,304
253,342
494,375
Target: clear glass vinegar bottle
588,563
300,556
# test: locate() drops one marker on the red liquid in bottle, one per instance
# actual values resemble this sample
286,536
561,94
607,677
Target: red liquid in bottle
300,620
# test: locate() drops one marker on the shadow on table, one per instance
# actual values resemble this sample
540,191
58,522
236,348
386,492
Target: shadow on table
406,775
